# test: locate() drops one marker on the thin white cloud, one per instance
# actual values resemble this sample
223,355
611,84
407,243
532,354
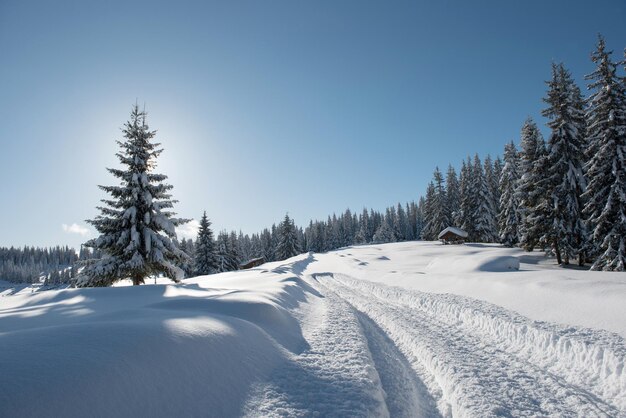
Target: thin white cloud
75,229
188,230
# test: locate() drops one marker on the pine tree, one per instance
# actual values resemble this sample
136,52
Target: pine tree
529,190
288,241
606,191
493,179
221,252
565,232
497,174
467,215
440,212
509,219
234,252
453,195
428,231
137,229
187,247
484,210
401,224
205,260
383,234
267,246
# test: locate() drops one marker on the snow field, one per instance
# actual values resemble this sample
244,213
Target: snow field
366,331
476,376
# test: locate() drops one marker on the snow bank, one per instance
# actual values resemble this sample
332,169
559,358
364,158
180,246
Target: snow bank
161,350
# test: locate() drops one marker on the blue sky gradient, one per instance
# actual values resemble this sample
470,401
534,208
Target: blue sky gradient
267,107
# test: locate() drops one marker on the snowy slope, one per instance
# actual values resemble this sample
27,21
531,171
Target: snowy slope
402,330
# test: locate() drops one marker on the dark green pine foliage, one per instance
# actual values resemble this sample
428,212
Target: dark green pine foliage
137,229
234,252
440,212
493,179
428,231
453,194
529,190
509,217
221,246
467,216
287,245
483,204
205,260
606,171
497,174
564,229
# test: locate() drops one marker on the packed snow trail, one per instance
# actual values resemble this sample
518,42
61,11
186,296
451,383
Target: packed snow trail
480,360
348,370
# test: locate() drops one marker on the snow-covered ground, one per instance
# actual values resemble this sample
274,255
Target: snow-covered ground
403,330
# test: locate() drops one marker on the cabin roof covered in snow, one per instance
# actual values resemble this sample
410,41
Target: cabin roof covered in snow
454,230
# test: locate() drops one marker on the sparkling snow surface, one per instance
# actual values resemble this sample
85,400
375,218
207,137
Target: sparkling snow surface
404,330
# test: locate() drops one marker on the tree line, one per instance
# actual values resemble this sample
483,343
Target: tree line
33,264
566,195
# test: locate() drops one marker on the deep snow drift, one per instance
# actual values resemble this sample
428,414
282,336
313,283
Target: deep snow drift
407,329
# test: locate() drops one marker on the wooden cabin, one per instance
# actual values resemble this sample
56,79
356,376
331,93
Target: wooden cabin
452,235
255,262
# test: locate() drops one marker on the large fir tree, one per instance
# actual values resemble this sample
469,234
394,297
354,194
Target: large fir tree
564,231
606,191
137,229
483,204
453,194
529,191
509,217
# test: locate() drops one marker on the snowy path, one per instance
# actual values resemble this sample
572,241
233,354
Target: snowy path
475,359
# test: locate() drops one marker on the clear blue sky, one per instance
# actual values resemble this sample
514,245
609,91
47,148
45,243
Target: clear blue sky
270,106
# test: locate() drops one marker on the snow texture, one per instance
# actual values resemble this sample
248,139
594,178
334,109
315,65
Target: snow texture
412,329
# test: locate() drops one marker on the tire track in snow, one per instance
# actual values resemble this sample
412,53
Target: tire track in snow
405,394
475,377
336,377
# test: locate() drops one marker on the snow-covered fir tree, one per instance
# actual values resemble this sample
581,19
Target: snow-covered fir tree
136,226
509,217
187,246
497,174
205,260
493,184
287,239
606,171
221,251
565,233
383,234
428,230
453,195
529,190
401,223
467,215
234,252
484,211
439,210
267,246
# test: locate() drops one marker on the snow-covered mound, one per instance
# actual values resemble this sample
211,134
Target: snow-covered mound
463,264
407,329
164,350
